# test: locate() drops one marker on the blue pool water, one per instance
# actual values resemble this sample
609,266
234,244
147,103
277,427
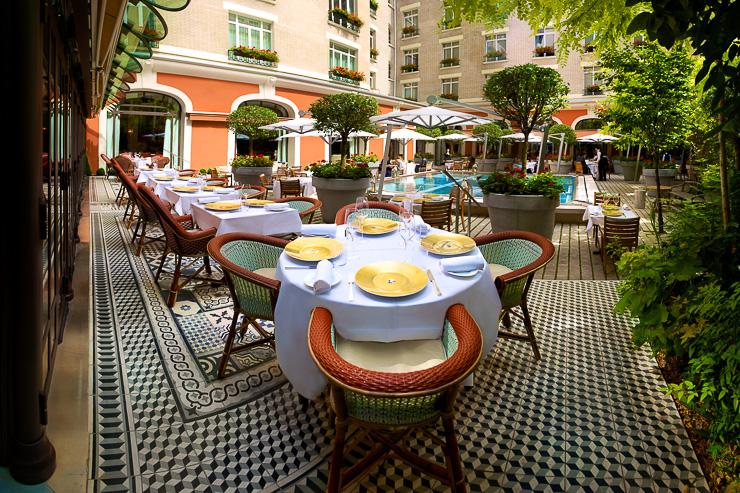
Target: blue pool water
437,182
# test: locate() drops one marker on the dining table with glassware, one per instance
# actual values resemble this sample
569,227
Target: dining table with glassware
383,281
257,216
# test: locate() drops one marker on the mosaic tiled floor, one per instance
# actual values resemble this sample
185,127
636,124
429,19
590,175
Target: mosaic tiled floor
587,417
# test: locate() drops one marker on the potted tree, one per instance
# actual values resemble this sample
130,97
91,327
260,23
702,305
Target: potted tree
340,183
515,201
247,120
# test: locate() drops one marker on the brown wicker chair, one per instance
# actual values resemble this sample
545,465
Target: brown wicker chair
375,209
306,206
619,231
180,241
515,257
437,214
388,407
247,261
290,187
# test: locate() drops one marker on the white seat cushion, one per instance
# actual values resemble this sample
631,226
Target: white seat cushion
267,272
498,270
392,357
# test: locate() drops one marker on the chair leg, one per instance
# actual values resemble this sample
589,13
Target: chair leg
335,468
141,240
174,287
161,263
530,330
229,344
452,455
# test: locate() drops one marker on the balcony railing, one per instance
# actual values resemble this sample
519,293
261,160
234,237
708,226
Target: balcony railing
237,56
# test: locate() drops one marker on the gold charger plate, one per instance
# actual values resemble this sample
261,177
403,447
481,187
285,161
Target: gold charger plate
185,189
258,202
313,248
447,244
378,226
164,178
224,205
391,279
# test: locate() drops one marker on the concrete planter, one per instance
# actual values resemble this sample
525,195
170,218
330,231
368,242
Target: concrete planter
667,178
631,170
251,175
533,213
335,193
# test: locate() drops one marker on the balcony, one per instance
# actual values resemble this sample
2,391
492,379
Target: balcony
254,56
345,20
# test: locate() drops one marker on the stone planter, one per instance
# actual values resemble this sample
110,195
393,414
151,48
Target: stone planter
335,193
248,175
667,178
631,170
533,213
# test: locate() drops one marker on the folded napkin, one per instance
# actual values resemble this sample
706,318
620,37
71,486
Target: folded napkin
324,276
208,200
280,206
461,264
420,226
329,230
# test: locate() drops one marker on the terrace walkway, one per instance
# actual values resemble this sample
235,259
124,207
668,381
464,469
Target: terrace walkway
588,417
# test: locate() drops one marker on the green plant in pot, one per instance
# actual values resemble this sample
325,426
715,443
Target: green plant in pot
338,184
517,201
247,120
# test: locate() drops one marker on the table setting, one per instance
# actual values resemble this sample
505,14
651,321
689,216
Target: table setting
595,214
382,283
257,216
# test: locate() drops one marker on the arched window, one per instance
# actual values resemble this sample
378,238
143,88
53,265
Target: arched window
590,124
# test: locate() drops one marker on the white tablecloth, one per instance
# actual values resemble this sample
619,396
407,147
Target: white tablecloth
372,318
256,220
595,217
184,200
306,186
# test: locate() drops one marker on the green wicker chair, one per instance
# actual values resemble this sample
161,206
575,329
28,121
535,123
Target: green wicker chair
306,206
388,407
248,262
375,209
517,255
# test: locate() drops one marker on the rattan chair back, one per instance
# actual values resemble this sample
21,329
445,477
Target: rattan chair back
306,207
385,210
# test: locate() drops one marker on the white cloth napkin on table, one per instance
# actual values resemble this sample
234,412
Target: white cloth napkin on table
461,264
420,226
329,230
208,200
324,276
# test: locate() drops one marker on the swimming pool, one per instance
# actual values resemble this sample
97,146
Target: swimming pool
438,182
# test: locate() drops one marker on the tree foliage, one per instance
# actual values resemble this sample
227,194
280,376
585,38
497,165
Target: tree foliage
526,95
344,113
247,119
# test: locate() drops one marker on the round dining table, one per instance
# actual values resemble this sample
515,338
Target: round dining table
361,316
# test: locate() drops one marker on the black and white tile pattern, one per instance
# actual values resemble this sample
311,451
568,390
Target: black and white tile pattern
588,417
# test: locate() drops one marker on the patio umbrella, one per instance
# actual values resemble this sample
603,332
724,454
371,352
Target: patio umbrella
297,125
597,138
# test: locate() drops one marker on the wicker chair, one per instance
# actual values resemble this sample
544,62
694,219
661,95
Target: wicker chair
180,241
306,207
375,209
514,258
437,214
389,406
291,187
249,263
619,231
252,191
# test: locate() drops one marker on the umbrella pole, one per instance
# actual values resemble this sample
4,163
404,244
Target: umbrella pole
384,163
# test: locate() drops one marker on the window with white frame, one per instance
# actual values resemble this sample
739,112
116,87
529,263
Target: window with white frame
545,38
450,86
411,91
496,46
373,80
592,81
348,5
451,53
342,56
246,31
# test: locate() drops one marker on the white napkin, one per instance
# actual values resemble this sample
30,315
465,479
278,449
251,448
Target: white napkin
324,276
461,264
280,206
420,226
208,200
329,230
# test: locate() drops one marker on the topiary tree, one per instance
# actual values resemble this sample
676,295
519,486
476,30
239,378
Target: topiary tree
248,119
343,114
527,96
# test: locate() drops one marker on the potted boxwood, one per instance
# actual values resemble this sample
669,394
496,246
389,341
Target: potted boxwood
515,201
338,184
247,169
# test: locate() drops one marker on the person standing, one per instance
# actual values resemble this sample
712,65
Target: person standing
603,164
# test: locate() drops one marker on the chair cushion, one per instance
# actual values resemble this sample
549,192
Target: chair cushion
498,270
267,272
392,357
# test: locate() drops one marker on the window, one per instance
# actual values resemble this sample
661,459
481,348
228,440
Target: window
450,88
348,5
449,21
544,42
373,80
411,91
245,31
592,82
410,60
496,47
450,54
341,56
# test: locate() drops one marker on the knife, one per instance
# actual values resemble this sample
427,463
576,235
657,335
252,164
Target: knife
434,281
